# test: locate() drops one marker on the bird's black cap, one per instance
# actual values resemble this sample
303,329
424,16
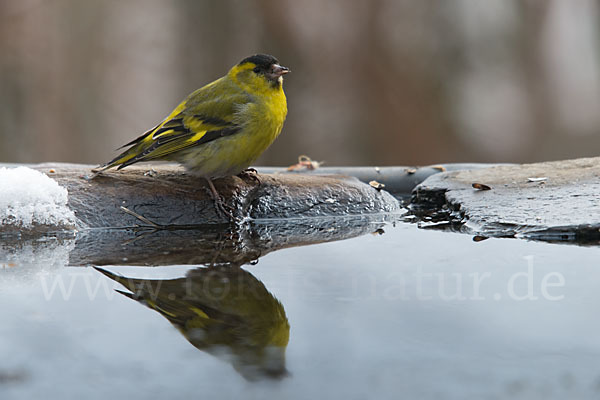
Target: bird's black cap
261,60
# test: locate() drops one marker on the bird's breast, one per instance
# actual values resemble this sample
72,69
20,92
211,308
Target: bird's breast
260,122
265,118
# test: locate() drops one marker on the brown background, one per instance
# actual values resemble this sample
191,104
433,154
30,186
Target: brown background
374,81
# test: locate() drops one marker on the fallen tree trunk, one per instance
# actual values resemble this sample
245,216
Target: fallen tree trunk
167,195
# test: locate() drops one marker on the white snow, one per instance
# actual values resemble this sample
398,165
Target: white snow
29,198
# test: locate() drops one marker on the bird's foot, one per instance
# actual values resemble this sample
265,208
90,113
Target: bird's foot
221,208
224,209
251,174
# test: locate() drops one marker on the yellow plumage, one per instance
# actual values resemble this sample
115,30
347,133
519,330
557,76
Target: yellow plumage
223,310
222,128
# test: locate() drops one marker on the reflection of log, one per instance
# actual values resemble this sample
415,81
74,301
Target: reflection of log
165,194
212,245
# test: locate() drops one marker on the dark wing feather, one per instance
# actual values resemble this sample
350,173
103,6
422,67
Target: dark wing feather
175,135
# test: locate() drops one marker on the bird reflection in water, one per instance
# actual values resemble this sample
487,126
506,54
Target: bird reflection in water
223,310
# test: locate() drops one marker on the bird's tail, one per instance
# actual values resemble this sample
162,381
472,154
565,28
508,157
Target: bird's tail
101,168
122,160
127,157
117,278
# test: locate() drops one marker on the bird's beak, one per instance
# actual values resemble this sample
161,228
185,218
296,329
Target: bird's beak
278,70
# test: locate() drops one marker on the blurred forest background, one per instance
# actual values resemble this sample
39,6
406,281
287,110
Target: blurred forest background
373,82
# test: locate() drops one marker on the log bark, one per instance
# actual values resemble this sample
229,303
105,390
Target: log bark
167,195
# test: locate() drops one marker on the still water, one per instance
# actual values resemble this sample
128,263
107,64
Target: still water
396,312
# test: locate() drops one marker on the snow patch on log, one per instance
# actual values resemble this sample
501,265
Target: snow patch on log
30,199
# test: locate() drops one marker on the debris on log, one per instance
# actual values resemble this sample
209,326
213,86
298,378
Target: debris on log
399,181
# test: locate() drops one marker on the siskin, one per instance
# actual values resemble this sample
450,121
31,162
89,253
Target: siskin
220,129
224,311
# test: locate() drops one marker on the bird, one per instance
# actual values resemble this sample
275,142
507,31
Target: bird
223,310
220,129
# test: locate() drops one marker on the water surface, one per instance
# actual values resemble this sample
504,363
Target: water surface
400,313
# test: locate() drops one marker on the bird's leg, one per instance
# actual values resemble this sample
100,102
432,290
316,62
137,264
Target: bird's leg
219,206
251,174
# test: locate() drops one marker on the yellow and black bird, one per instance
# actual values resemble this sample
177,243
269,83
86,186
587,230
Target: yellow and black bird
223,310
220,129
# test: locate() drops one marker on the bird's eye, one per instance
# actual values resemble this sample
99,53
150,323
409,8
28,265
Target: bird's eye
256,70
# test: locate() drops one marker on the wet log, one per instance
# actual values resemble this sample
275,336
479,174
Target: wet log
549,201
166,195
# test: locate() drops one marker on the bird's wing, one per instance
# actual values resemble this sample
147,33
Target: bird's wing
206,115
176,133
180,133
